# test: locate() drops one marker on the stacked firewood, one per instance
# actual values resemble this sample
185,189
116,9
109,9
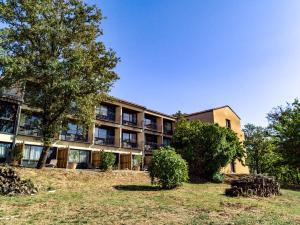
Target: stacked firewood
261,186
12,184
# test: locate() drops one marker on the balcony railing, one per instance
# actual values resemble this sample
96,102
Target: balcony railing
150,146
138,124
132,145
24,130
73,137
105,141
110,117
13,94
168,132
151,126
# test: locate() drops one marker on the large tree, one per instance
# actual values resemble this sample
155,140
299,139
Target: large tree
260,148
52,50
285,126
206,147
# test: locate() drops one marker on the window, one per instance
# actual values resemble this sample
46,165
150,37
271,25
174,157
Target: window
4,147
232,167
228,124
8,113
150,122
30,125
106,112
33,153
129,140
81,157
167,141
129,118
74,132
168,127
150,142
104,135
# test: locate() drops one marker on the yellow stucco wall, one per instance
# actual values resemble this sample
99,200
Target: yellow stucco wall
220,116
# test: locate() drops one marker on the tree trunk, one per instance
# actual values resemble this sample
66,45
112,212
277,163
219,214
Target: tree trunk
42,161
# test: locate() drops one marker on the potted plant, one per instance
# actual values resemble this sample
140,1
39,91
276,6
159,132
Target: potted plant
137,161
73,159
16,155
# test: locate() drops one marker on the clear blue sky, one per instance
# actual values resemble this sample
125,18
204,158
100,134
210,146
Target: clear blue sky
193,55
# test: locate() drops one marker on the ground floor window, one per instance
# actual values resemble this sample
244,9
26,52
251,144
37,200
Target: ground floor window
81,157
4,148
32,154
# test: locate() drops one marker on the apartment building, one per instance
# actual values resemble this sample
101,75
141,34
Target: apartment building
225,117
121,127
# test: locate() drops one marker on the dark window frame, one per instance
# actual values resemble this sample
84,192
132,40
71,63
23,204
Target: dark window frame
109,139
8,115
28,128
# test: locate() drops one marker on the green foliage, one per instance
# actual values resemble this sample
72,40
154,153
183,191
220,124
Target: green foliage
107,161
137,160
260,149
285,129
168,169
206,147
218,178
52,49
275,151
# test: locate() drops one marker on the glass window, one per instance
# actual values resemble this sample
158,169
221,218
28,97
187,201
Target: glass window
30,125
8,113
129,118
4,147
105,112
74,132
79,156
129,137
228,123
167,141
32,152
167,127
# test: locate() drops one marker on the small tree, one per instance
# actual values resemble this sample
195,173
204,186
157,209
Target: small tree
168,169
51,50
107,160
206,147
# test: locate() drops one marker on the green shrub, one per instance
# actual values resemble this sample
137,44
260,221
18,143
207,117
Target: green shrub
107,161
137,161
218,178
168,169
17,153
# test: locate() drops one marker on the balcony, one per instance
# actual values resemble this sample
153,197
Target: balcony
29,131
110,141
168,132
151,146
132,123
132,145
72,137
13,94
110,117
151,126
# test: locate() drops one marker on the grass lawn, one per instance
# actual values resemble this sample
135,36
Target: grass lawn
89,197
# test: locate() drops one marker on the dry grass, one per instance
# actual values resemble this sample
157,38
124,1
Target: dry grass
125,197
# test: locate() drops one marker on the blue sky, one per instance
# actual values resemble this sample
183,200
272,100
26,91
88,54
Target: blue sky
193,55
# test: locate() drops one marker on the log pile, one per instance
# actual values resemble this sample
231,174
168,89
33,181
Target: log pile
12,184
261,186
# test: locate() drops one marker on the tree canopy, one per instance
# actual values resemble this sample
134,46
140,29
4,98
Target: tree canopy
206,147
285,129
52,50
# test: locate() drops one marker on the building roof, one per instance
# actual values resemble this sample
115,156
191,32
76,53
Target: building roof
141,106
212,109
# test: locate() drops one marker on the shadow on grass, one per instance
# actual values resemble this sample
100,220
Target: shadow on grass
136,188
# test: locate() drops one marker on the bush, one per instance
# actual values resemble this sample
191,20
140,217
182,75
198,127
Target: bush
168,169
206,147
17,153
107,160
218,178
137,161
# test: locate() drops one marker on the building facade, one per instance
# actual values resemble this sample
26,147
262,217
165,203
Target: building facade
121,127
126,129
